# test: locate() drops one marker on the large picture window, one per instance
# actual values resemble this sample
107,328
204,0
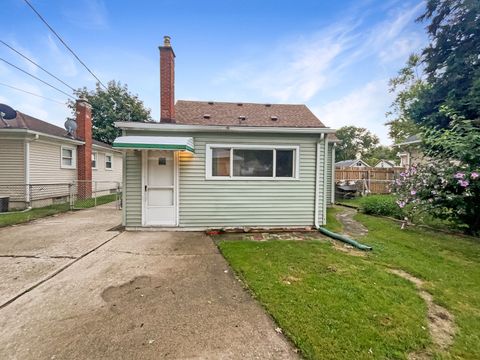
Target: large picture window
252,162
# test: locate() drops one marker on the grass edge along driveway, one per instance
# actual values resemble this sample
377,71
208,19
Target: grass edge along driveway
20,217
334,305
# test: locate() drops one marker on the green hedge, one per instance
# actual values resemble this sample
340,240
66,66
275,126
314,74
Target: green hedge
384,205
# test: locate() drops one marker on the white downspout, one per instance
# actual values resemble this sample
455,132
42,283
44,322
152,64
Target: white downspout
27,172
317,175
332,194
325,178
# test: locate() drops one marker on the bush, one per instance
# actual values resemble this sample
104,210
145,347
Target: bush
384,205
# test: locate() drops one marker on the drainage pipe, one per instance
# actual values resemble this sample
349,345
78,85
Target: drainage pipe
345,239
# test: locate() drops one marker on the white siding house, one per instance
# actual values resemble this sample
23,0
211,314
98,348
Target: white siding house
41,155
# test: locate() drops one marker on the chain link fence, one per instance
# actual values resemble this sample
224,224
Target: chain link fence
76,195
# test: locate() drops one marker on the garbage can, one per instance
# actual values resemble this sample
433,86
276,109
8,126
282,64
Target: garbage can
4,202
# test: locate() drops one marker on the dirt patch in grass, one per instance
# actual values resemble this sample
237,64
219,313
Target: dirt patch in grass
348,249
441,322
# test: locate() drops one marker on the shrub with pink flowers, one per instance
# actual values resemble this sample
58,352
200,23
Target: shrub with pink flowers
442,190
448,187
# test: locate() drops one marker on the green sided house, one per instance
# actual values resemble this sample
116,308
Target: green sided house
225,165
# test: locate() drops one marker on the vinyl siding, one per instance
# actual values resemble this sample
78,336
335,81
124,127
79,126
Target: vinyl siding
101,173
133,188
45,163
224,203
12,161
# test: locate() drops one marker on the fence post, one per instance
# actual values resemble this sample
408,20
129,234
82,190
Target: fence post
70,195
95,193
30,195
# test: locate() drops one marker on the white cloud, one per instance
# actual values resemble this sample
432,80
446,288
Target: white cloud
88,14
363,107
63,63
297,69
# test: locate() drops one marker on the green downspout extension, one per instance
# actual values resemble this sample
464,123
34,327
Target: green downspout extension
344,239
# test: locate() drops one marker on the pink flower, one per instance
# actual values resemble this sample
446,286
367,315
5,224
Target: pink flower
413,192
474,175
459,175
463,183
401,204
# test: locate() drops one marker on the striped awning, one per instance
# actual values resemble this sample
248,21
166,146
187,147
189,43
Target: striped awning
154,142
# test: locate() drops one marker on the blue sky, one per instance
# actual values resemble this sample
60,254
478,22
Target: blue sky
334,56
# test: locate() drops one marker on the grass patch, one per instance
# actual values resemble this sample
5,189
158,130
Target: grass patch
336,306
37,213
332,223
88,203
355,202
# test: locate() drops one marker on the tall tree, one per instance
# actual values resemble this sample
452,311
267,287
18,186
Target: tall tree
380,152
354,140
452,63
407,86
115,103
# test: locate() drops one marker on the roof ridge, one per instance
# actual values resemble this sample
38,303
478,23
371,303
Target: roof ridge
239,102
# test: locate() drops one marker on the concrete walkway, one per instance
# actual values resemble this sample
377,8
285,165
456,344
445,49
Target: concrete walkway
141,295
33,251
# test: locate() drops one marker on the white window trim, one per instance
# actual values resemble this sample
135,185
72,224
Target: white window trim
111,157
208,161
95,154
74,157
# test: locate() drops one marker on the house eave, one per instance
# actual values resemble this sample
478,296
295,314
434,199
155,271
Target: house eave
219,128
37,133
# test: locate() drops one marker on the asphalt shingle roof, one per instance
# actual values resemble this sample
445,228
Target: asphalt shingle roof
27,122
231,114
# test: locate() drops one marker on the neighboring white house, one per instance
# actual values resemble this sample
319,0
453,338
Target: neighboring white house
216,164
35,152
385,164
410,152
355,163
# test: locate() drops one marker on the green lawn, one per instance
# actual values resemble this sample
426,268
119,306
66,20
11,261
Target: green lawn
37,213
338,306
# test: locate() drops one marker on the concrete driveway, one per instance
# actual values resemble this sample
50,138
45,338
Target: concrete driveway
144,295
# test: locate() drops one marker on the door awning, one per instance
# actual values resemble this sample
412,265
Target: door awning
154,142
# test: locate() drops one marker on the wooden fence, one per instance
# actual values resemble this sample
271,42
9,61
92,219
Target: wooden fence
376,180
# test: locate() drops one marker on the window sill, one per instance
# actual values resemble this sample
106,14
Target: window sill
250,178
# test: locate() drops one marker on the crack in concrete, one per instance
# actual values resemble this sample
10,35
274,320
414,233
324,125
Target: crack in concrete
56,272
38,256
157,254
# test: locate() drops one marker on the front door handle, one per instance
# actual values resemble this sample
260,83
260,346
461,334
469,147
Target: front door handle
145,188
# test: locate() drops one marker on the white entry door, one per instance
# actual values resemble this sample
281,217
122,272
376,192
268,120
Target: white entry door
160,188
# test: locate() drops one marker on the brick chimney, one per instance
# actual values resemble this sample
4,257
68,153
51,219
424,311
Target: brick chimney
167,82
84,152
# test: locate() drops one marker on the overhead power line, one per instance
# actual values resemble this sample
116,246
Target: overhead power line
31,93
34,63
37,78
64,43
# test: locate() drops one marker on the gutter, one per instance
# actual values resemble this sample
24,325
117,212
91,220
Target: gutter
219,128
36,133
